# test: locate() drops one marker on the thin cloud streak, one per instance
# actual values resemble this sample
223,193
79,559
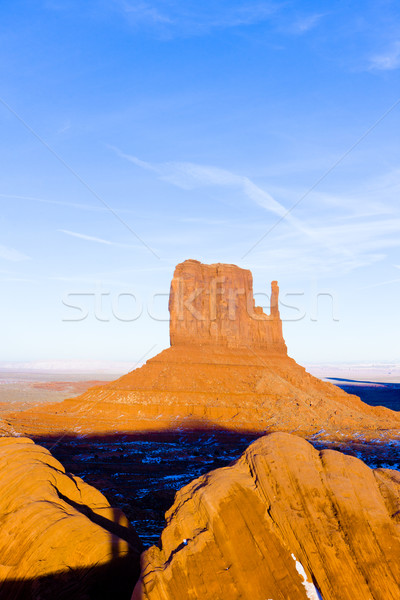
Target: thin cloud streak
191,19
363,244
97,240
343,242
388,61
356,237
381,283
17,280
305,24
143,12
189,176
56,202
8,253
93,281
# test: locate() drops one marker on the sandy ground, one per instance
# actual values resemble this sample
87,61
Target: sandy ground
26,388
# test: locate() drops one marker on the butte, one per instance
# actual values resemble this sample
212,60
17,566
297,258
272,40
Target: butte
227,368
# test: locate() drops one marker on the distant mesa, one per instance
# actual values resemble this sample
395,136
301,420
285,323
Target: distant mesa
227,367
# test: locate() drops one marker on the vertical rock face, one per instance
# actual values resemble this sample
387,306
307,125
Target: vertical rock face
59,537
284,522
214,305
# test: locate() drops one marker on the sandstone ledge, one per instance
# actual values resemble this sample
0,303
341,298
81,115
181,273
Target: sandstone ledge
285,521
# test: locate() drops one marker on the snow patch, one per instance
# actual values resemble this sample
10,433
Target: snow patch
311,590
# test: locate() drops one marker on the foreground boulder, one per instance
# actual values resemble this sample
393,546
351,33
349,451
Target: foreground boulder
285,522
59,537
227,368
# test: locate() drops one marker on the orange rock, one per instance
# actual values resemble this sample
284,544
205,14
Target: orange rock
59,537
284,522
227,367
5,428
214,305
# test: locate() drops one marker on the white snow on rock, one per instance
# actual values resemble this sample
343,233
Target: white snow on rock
311,590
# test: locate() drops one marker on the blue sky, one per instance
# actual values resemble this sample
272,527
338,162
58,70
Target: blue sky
135,135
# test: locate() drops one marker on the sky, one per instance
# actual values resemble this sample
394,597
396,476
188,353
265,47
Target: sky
135,135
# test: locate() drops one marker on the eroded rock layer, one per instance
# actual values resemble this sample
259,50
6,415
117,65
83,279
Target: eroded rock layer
214,305
285,521
59,537
196,388
227,367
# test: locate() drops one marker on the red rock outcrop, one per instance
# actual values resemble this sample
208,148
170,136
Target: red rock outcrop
59,537
227,367
214,305
5,429
284,522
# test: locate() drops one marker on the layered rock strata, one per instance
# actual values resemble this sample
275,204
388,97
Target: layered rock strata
284,521
59,537
214,305
227,367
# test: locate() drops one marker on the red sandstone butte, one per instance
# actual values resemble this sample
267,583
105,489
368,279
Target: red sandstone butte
59,537
285,522
213,305
227,368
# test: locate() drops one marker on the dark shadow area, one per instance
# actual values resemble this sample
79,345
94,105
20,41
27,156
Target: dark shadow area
115,581
374,393
114,526
140,473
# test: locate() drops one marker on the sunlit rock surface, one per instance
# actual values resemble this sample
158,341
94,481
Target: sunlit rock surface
285,522
5,428
59,537
227,368
214,305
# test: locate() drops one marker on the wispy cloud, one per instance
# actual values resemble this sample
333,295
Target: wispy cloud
143,12
364,243
17,280
55,202
11,254
242,15
94,281
88,238
361,235
379,284
126,277
305,24
193,18
387,61
64,128
372,234
188,176
97,240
